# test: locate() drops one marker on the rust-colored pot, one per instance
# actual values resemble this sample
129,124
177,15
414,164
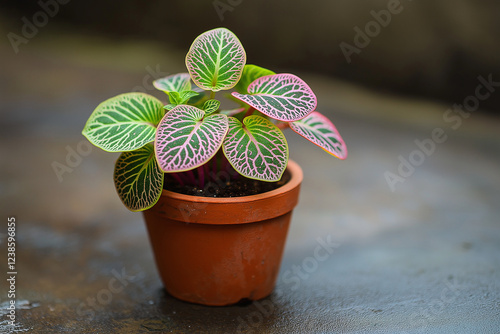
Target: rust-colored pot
219,251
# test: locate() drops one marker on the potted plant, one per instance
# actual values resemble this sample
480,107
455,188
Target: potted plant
215,185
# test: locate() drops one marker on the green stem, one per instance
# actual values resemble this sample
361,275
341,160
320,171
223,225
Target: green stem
212,95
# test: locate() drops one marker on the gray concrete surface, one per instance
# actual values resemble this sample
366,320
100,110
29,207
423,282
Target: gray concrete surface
424,258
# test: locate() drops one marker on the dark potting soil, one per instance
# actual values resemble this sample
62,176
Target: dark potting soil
234,188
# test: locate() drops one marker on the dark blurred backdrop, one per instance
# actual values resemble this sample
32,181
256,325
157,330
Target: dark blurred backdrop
430,48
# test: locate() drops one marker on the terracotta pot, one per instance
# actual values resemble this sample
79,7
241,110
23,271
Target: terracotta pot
219,251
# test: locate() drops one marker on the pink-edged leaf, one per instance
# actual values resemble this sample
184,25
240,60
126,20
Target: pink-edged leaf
319,130
186,138
216,59
249,75
256,149
284,97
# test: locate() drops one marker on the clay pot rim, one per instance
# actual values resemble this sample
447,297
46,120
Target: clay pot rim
296,176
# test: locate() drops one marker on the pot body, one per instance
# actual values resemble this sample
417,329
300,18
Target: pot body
219,251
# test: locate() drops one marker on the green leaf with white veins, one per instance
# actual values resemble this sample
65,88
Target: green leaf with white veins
256,149
211,106
186,95
177,98
215,60
138,178
125,122
174,83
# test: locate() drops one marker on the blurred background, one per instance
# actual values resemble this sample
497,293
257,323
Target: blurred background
434,49
386,72
425,48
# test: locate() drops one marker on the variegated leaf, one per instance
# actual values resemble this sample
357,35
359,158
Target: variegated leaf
125,122
187,95
174,83
250,74
319,130
211,106
216,59
256,149
138,179
186,138
176,98
284,97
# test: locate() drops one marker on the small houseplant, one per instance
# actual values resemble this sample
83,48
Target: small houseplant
212,249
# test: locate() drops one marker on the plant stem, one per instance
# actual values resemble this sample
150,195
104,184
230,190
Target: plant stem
206,171
249,111
201,176
212,95
283,125
185,177
192,179
214,168
224,163
178,178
